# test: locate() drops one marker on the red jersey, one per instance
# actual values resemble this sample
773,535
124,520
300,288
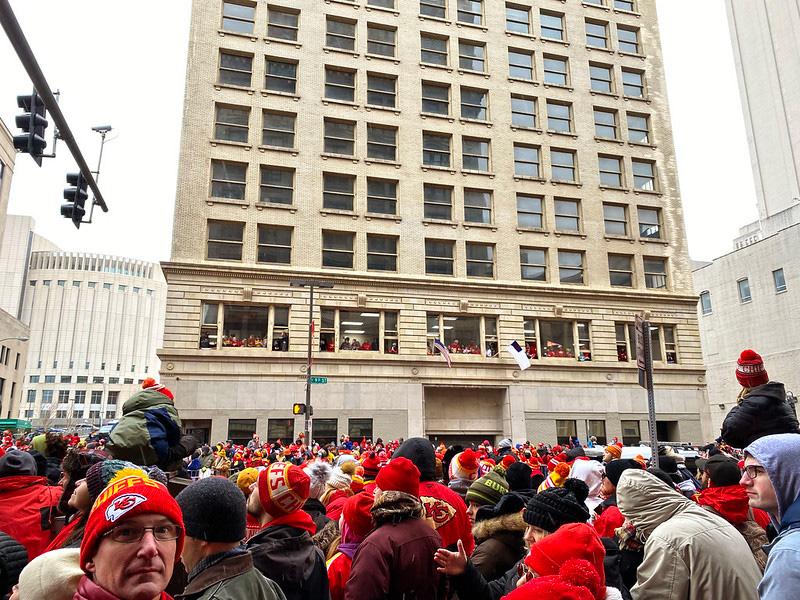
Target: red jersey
448,513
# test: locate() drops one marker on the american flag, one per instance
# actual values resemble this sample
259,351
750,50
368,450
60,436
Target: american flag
443,350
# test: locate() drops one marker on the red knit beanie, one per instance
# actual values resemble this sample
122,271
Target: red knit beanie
573,540
124,498
464,465
399,475
750,369
283,488
371,464
576,580
150,384
508,460
357,514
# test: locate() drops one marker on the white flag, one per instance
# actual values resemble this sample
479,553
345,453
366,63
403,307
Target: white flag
519,355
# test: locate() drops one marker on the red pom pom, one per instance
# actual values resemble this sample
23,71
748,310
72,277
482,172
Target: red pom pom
508,460
148,383
581,572
469,459
749,356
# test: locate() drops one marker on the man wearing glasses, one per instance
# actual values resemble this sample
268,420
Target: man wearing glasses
771,479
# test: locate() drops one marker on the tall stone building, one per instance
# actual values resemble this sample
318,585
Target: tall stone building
473,171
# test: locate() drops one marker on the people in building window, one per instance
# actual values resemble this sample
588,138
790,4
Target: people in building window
205,342
345,345
531,351
281,344
392,348
374,346
355,344
455,346
471,348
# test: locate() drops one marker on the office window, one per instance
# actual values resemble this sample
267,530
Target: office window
382,4
649,223
463,334
567,215
381,252
570,266
96,379
705,303
438,202
231,123
518,19
62,379
655,272
533,264
565,431
340,84
670,347
555,70
526,161
523,111
340,137
281,76
552,26
471,56
237,17
629,5
277,185
601,78
520,64
780,280
280,429
381,196
228,179
381,90
474,104
557,338
274,244
610,170
433,49
597,34
31,396
633,83
439,257
628,39
435,98
359,428
470,11
480,260
337,249
282,23
477,206
744,290
381,40
614,219
235,69
644,175
33,379
638,128
625,337
278,129
435,149
338,191
225,240
381,142
530,214
340,34
631,435
475,154
240,431
620,270
562,164
605,123
433,8
559,117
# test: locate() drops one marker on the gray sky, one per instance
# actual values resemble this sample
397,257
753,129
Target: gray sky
123,64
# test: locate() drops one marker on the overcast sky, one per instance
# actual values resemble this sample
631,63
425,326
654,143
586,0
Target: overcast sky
123,64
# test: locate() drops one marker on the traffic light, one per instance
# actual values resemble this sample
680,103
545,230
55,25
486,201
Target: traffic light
298,409
76,198
33,123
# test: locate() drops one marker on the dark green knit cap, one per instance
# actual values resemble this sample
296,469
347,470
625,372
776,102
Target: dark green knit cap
489,488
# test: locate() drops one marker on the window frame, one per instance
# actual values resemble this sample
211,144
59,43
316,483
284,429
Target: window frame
624,45
231,184
650,274
581,268
336,139
627,85
560,214
520,8
744,299
377,144
609,69
776,275
540,213
559,119
265,127
482,107
572,166
615,219
480,262
599,126
378,197
486,212
517,70
427,152
602,172
480,15
526,264
375,253
285,78
533,114
550,71
704,299
427,202
263,227
221,240
537,162
649,224
434,52
330,195
347,47
537,348
468,57
443,259
650,180
561,28
631,129
238,127
263,187
373,92
283,10
435,100
339,251
238,19
618,270
473,155
590,37
332,87
487,341
374,44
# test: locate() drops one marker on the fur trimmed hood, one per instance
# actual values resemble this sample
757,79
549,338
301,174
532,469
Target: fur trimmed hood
487,528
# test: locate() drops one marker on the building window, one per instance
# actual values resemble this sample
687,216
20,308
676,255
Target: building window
567,215
744,290
601,78
520,64
381,253
518,19
325,431
231,123
526,161
31,396
523,111
633,83
630,433
478,206
655,273
359,330
33,379
638,128
282,23
533,264
471,56
435,98
338,191
240,431
629,5
559,117
626,341
596,429
433,8
433,49
565,431
470,11
438,202
245,326
780,280
381,40
96,379
439,257
381,90
340,34
435,149
610,171
277,185
274,244
649,223
705,302
340,84
381,142
228,179
381,196
281,76
480,260
570,267
556,70
530,214
557,338
359,429
280,429
615,221
209,324
463,334
474,154
474,104
562,165
644,175
605,123
552,25
62,379
337,249
597,34
620,270
340,137
666,352
237,17
80,396
628,39
225,240
235,69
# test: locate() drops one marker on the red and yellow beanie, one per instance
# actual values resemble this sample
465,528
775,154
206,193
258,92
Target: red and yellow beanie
283,488
750,371
125,497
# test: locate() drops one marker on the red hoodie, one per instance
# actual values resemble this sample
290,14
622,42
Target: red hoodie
730,502
26,504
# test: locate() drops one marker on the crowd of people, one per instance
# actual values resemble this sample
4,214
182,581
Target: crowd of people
144,513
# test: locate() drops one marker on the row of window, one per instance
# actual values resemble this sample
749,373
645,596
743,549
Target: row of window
90,285
80,379
5,355
65,410
743,289
82,262
240,431
86,365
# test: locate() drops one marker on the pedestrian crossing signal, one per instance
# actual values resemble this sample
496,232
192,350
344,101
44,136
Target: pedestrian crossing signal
298,409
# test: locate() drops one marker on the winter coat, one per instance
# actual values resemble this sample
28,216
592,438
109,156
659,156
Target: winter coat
232,578
27,507
689,553
89,590
395,561
448,513
499,544
762,411
339,567
13,558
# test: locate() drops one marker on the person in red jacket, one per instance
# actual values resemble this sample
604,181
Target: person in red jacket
27,503
355,525
610,518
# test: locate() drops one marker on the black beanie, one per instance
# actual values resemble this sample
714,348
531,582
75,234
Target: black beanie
615,468
668,464
214,510
419,451
518,476
554,507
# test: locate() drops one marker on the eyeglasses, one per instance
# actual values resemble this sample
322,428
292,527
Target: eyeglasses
754,471
129,534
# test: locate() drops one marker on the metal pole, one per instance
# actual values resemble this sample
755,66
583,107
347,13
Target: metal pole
97,173
308,365
651,400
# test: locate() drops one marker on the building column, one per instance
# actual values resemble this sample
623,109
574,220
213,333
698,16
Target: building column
416,411
514,424
219,428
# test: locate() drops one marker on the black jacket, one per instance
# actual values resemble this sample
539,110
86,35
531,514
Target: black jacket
13,558
763,411
316,510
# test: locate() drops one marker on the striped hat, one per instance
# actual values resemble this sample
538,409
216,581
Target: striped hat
489,488
283,488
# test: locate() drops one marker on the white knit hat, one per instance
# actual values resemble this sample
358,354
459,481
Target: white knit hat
53,575
319,472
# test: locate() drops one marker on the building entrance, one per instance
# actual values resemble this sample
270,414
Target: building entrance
464,415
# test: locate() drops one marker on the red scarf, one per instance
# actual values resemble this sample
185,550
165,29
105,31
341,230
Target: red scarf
730,501
62,536
298,519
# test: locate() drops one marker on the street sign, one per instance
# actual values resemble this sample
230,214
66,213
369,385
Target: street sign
639,342
317,380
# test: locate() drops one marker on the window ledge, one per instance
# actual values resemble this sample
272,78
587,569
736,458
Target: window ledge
327,155
618,238
632,54
600,49
396,218
336,211
483,74
783,291
614,188
383,161
488,174
660,241
436,19
392,59
523,128
645,99
617,141
532,230
290,207
329,49
601,7
246,36
648,192
642,145
529,178
230,86
243,145
569,88
426,222
292,151
424,65
266,93
448,118
370,7
607,94
464,120
212,201
577,184
552,41
346,2
468,225
622,11
272,40
569,134
579,234
483,28
353,105
526,36
436,168
523,80
371,107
